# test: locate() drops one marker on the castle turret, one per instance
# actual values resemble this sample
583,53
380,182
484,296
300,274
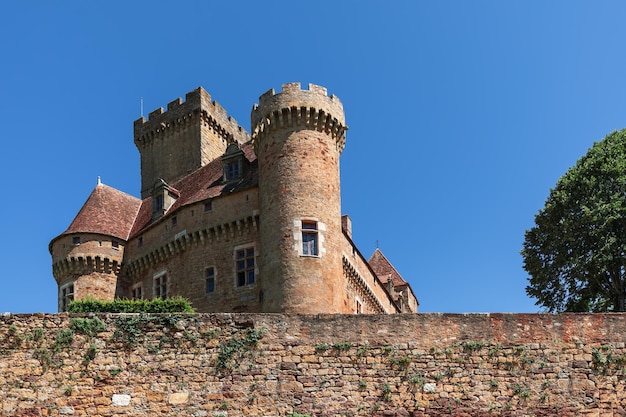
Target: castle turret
87,257
298,137
187,136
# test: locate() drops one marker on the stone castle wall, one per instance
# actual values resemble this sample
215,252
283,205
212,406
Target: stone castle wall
199,239
316,365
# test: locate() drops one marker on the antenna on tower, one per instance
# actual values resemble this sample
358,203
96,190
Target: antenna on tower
376,243
141,105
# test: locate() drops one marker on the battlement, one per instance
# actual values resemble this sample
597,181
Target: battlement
292,106
196,106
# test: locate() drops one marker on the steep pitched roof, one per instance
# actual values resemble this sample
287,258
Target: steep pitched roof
111,212
107,211
203,183
385,271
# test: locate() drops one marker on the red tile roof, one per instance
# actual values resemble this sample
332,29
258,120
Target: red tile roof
385,271
107,211
203,183
112,212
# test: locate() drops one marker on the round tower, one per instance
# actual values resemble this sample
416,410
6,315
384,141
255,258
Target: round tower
298,137
86,265
87,257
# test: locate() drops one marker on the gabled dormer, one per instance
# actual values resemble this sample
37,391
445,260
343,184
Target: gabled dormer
163,197
233,162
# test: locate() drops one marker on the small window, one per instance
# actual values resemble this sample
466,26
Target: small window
208,206
209,280
76,240
137,292
140,241
244,265
115,244
309,238
233,170
174,220
158,202
359,307
160,287
66,296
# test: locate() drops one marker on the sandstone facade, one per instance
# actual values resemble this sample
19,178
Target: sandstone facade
314,365
232,221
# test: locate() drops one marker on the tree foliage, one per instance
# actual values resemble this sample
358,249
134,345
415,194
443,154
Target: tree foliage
576,252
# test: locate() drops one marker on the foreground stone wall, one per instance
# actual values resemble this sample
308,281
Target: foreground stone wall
328,365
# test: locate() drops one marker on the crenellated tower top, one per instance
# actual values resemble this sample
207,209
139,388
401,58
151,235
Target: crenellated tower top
180,112
189,135
312,109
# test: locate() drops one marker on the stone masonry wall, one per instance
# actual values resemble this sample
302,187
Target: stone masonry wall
316,365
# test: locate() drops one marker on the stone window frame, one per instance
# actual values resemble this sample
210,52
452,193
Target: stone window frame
66,295
358,306
299,232
247,269
161,282
210,276
75,240
115,244
136,292
208,206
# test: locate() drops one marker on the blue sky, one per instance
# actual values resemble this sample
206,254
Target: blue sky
462,115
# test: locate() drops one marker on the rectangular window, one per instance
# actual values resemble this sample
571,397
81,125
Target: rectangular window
208,206
209,275
76,240
359,307
159,202
160,287
244,265
233,170
67,296
174,220
140,241
115,244
137,293
309,238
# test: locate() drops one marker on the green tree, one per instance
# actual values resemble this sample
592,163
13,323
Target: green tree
576,252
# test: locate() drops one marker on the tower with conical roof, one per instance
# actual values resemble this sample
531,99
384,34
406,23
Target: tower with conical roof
86,258
231,221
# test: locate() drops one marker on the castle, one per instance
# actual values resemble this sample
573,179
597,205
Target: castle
232,221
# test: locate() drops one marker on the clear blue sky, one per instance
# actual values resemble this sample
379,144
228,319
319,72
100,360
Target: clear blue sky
462,116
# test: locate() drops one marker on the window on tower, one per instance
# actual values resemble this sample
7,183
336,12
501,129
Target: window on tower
209,275
309,238
66,296
137,292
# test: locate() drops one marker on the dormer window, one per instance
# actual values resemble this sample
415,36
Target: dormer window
232,162
163,197
232,170
158,202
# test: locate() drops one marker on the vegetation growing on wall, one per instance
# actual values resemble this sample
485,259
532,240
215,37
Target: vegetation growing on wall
157,305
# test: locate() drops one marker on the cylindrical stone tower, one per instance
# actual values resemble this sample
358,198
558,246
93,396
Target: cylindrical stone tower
298,137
